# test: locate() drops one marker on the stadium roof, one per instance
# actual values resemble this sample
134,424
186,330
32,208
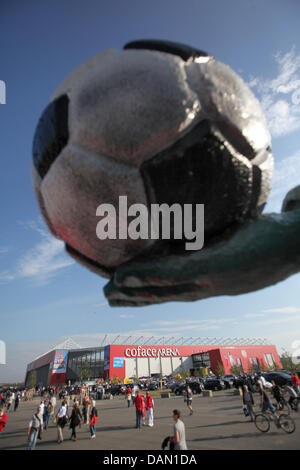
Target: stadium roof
100,340
103,340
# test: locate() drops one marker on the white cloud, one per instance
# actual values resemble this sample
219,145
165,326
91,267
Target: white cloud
280,96
42,261
177,326
254,315
278,321
286,176
126,315
283,310
6,276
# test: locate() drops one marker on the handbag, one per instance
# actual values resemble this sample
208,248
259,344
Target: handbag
55,420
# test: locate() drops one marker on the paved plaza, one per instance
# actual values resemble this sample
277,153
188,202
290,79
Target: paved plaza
217,423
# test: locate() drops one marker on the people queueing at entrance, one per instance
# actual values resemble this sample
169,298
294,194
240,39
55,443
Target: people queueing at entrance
150,409
35,428
93,419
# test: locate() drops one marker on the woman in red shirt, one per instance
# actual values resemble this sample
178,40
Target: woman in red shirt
3,419
149,408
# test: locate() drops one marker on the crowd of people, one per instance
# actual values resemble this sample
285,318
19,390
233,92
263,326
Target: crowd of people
277,392
80,410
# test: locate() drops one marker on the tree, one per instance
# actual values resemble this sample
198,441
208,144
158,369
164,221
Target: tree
115,379
32,379
287,362
85,371
236,370
220,369
183,372
201,372
275,366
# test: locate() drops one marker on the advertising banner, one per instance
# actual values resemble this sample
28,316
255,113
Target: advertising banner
60,361
118,362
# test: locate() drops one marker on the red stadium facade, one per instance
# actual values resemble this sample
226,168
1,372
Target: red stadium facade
62,366
127,361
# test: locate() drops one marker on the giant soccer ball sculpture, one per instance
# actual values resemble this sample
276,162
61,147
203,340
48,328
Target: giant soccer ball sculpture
159,123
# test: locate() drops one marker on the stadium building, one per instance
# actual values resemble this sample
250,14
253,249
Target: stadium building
128,357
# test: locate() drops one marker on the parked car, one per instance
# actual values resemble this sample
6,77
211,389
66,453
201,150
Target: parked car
214,384
117,389
229,383
279,377
153,386
194,386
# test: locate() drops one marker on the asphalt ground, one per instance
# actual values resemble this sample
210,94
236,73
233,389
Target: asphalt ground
218,423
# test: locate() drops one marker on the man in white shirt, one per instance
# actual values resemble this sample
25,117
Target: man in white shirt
179,432
61,422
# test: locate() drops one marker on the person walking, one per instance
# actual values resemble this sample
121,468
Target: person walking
61,422
138,401
293,400
179,432
128,396
3,418
133,395
35,428
76,416
276,393
248,402
265,400
9,401
53,402
48,411
85,408
17,401
189,398
296,382
150,409
93,419
143,410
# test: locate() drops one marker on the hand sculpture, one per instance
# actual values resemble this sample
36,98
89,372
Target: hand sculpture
260,253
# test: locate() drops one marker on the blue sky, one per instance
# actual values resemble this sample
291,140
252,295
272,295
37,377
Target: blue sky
44,294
